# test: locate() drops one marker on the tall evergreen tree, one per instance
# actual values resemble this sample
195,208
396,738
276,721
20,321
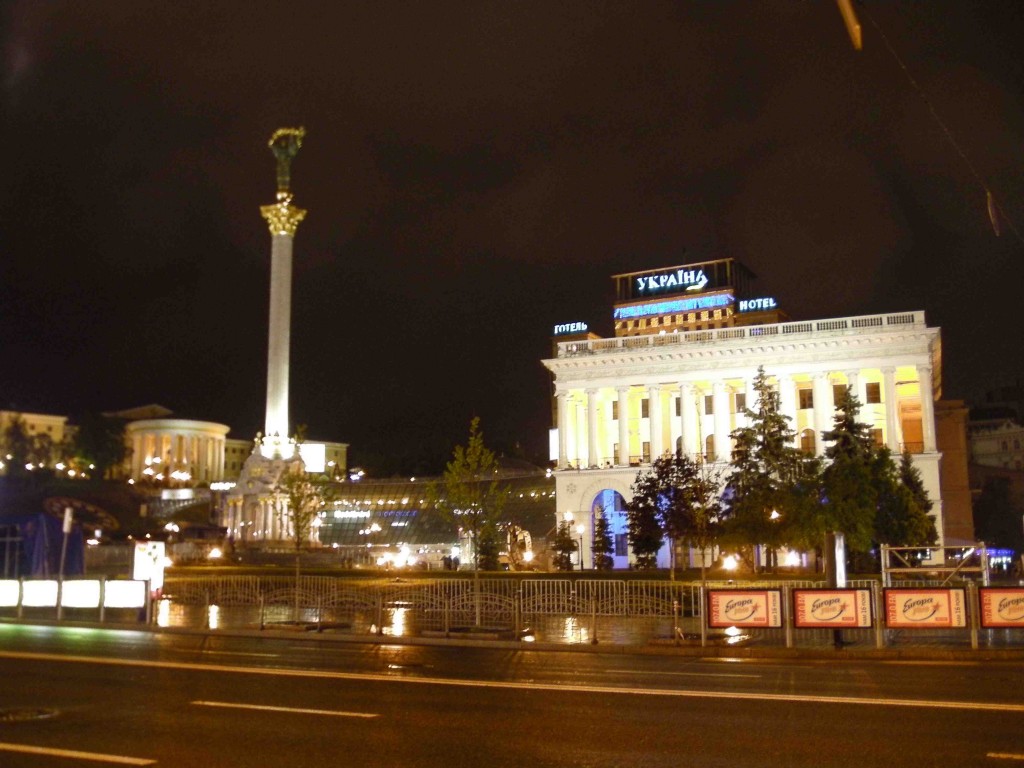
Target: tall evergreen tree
680,498
901,518
849,494
602,545
564,545
769,489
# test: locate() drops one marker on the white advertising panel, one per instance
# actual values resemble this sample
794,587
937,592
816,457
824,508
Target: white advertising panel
10,589
925,608
125,594
41,593
1001,606
80,593
149,563
834,608
744,608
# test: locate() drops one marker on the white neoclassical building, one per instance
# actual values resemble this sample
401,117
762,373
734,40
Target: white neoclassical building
623,401
162,447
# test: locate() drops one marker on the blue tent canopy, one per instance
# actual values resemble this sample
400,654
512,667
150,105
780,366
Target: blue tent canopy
30,545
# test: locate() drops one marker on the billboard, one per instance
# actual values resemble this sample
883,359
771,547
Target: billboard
744,608
831,608
925,608
1001,606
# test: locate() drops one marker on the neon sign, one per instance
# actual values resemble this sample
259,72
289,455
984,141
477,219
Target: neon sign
563,328
674,306
752,305
690,279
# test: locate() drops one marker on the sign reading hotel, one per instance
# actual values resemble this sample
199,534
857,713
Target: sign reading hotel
757,305
1001,607
925,608
831,608
744,608
562,329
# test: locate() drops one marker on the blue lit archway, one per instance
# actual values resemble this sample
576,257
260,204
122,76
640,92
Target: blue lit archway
613,506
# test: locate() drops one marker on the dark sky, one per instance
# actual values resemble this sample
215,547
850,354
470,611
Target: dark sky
474,172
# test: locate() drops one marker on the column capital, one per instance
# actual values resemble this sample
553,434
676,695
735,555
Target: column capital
282,217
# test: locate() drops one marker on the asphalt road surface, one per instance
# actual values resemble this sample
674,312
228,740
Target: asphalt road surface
89,697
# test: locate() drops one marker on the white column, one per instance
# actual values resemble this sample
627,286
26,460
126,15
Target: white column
655,421
723,443
280,334
822,410
593,456
624,426
924,377
687,418
892,421
787,399
562,399
853,382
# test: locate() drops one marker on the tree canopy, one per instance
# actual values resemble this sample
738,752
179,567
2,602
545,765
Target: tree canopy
471,497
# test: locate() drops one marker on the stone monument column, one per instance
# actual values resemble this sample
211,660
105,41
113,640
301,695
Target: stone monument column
283,219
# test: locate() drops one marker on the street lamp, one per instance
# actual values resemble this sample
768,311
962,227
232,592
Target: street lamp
580,529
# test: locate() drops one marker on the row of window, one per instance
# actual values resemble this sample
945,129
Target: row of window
872,395
808,444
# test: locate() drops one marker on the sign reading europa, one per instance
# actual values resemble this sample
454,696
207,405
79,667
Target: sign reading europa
831,608
681,279
925,608
563,328
1001,606
744,608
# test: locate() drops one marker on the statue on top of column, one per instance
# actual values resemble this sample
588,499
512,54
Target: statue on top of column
285,144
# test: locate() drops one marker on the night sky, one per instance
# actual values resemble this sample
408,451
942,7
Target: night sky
474,173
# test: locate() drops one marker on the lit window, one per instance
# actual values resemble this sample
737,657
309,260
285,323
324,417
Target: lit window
807,441
876,434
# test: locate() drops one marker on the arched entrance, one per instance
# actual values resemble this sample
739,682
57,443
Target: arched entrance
612,506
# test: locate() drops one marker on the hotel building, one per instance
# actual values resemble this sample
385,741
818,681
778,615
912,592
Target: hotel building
679,372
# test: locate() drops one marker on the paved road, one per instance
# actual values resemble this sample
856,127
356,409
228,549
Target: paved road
139,698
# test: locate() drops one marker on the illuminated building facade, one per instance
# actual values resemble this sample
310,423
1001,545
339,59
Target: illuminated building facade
680,370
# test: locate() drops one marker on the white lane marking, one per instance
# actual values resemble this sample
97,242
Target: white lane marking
75,755
1005,756
240,653
682,674
291,710
316,674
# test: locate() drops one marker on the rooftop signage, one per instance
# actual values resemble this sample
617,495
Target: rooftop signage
561,329
674,280
755,305
674,306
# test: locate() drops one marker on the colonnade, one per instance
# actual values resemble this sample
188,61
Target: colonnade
698,415
196,447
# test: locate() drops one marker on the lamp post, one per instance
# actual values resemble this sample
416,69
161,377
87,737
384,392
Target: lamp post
579,530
